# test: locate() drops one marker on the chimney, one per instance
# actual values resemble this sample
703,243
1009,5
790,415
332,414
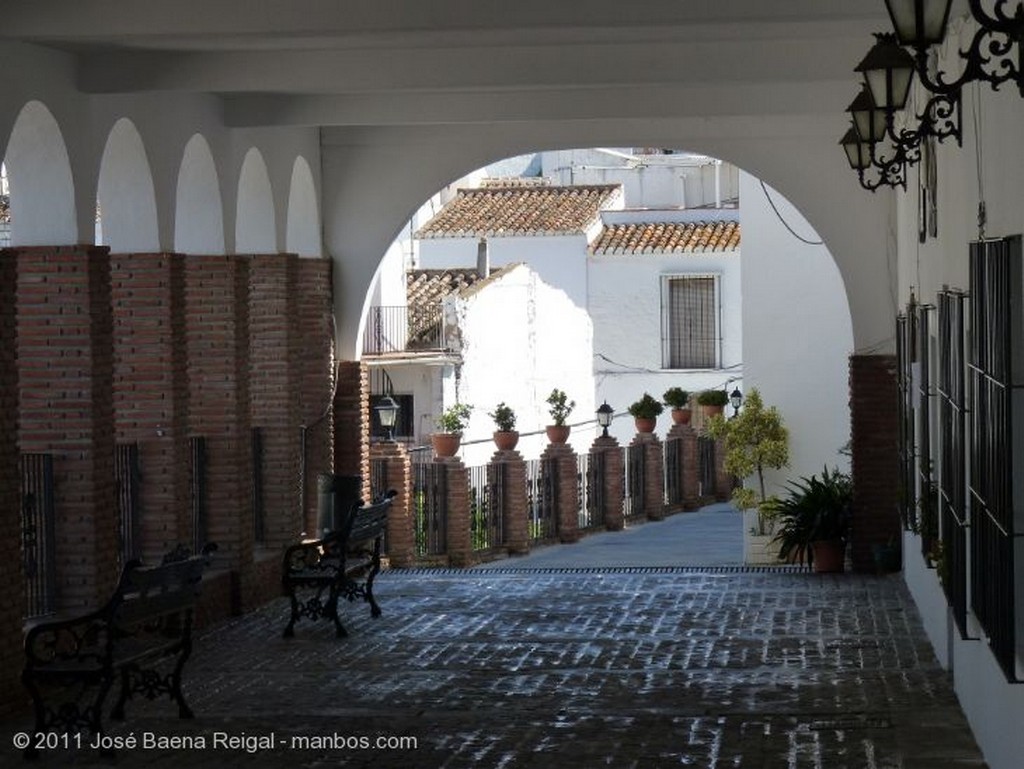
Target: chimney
483,260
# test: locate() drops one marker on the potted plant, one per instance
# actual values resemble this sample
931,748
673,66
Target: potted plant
678,400
645,412
450,425
560,409
505,437
813,523
712,401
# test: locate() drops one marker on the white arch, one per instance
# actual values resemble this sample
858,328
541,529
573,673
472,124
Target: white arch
198,208
125,193
302,235
255,230
42,187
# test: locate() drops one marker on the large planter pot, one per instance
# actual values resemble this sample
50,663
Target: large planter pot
446,444
645,424
829,555
506,440
557,433
681,416
710,411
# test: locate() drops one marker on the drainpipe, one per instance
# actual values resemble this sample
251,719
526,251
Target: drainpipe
483,260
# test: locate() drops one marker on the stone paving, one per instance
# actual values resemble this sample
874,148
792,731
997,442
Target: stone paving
657,667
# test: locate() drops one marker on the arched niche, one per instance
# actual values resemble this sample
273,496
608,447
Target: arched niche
302,236
198,208
255,231
127,202
42,187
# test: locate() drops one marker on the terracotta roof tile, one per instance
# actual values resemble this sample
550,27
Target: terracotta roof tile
517,210
668,237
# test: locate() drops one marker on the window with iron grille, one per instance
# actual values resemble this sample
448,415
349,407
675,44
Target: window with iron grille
690,322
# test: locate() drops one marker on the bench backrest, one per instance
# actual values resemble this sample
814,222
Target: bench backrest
369,522
146,594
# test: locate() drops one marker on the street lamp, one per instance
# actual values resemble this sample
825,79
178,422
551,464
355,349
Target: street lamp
387,412
604,417
736,399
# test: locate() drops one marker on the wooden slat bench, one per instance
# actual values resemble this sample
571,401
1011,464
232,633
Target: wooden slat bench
147,620
341,564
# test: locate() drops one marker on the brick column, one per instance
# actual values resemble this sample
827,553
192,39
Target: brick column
568,494
874,433
352,422
723,480
689,465
12,595
65,372
654,474
274,386
515,523
217,333
151,391
316,375
401,537
459,545
614,481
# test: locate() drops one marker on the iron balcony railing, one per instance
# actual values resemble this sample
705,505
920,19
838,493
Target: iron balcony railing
404,329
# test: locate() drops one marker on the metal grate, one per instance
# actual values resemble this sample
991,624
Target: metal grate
952,468
37,534
706,466
635,482
590,483
128,476
198,492
673,467
928,493
691,327
907,489
487,485
542,499
430,508
995,274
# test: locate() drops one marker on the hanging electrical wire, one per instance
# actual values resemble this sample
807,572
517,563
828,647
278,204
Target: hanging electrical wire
785,224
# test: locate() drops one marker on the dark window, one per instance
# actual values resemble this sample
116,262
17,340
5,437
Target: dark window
691,323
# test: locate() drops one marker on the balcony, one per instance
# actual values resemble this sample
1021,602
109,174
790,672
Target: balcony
401,329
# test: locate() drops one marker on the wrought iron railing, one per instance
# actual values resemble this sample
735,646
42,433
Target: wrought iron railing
37,534
928,493
907,486
400,329
590,484
487,484
706,474
128,476
633,506
673,467
430,508
542,499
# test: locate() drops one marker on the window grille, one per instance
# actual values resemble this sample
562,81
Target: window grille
690,338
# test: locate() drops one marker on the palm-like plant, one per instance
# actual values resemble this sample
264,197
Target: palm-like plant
816,510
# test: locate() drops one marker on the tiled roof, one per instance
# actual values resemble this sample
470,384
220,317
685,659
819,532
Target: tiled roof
668,237
518,210
428,288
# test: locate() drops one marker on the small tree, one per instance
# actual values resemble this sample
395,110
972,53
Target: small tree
755,439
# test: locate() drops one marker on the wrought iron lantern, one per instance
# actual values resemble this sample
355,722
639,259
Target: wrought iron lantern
736,400
387,412
604,417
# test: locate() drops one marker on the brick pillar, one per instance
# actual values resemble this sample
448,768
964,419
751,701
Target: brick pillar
654,474
689,464
459,544
65,373
515,523
723,480
352,422
874,433
614,481
151,390
316,372
217,333
567,501
274,386
401,539
12,594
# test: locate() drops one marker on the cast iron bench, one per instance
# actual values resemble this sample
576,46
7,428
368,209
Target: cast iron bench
342,563
148,619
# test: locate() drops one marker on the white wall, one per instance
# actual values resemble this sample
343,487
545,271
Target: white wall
625,306
797,334
519,339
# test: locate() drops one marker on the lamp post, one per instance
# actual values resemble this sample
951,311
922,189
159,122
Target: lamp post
736,399
387,412
604,417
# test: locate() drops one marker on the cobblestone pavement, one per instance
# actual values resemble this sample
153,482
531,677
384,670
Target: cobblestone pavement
621,668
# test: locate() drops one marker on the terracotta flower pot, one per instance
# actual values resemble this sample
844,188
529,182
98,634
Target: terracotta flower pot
645,424
710,411
446,444
506,440
557,433
681,416
829,555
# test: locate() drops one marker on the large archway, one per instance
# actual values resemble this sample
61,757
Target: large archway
255,228
199,212
127,219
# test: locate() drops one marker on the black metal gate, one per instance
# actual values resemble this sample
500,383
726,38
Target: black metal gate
37,534
128,475
430,508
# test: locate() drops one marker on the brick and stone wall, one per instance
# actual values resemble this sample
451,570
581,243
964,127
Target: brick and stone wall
654,474
688,466
614,481
274,343
874,433
12,598
567,501
459,546
515,524
352,422
151,390
401,534
65,369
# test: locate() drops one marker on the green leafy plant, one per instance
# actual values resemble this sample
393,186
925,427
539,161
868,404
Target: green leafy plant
712,398
817,509
755,440
454,419
676,397
561,406
504,417
646,408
